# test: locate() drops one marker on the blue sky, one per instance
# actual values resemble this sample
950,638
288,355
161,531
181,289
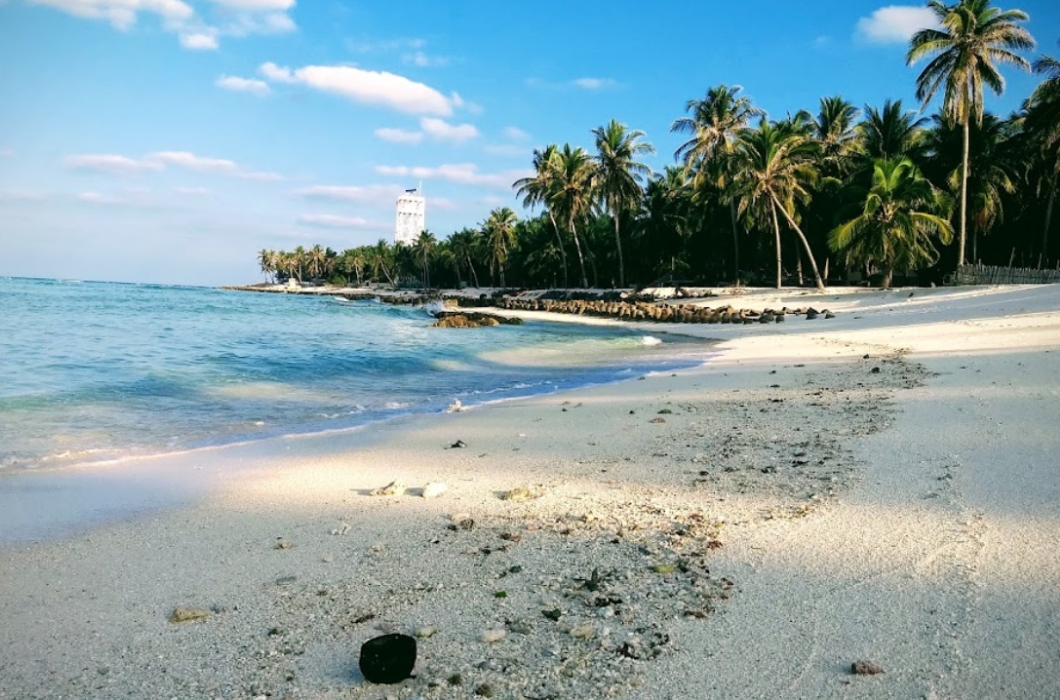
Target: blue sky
170,140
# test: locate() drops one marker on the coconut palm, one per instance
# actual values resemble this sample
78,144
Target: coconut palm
464,244
267,262
774,170
535,190
571,194
315,258
900,215
380,259
618,175
422,248
891,133
1042,127
837,134
714,123
499,230
974,38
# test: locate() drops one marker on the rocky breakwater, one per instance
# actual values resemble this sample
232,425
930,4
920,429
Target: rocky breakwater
471,319
662,313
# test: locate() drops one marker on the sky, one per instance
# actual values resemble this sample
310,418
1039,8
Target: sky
169,141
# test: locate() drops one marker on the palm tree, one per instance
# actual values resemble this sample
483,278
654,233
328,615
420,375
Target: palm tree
992,170
267,262
901,213
381,261
891,133
422,249
535,190
1042,126
774,170
464,244
837,134
618,175
499,229
571,194
974,37
315,257
665,217
714,123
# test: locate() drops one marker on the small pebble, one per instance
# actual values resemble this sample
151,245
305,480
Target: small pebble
434,489
493,636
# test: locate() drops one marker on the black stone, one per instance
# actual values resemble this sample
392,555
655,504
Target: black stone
388,659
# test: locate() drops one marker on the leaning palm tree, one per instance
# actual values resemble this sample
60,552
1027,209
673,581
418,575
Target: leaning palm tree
618,175
571,194
774,171
535,190
267,262
465,246
499,230
714,123
900,215
974,38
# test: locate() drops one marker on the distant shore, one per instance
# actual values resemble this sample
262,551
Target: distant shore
878,487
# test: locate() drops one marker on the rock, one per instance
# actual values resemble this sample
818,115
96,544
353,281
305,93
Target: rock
388,659
811,314
456,407
519,493
426,632
583,632
188,614
864,667
485,690
283,544
767,318
828,314
434,489
458,445
554,614
394,488
342,529
493,636
875,370
657,420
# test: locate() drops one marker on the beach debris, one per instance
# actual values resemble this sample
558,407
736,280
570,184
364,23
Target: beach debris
188,614
463,523
388,659
282,544
484,690
493,636
342,529
455,679
554,614
583,632
520,493
664,411
459,444
285,580
434,489
456,407
394,488
657,420
500,594
426,632
865,667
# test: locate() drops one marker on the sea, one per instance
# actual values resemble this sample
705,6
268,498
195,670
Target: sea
104,373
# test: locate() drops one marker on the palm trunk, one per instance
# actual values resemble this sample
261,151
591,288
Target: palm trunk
776,229
471,269
562,249
578,247
964,190
618,247
805,243
1048,221
888,275
735,243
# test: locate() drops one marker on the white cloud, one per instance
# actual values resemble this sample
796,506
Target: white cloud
515,133
593,83
110,164
334,221
459,173
895,24
385,46
377,195
491,201
193,191
443,131
399,135
113,164
122,14
99,198
367,87
199,41
256,5
231,82
422,60
442,203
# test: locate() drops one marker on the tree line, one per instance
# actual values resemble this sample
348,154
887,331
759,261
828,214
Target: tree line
837,193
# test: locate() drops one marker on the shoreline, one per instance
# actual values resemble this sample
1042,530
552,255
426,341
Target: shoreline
618,462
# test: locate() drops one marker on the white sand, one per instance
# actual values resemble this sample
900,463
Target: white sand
922,532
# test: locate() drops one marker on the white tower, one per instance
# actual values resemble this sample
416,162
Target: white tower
411,216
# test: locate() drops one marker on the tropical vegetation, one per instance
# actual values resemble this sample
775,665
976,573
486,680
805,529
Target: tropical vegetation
834,193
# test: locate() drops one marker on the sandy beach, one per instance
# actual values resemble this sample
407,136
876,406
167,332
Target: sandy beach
882,486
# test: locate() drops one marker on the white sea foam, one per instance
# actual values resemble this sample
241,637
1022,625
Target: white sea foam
650,340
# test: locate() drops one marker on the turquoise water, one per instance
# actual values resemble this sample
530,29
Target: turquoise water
95,372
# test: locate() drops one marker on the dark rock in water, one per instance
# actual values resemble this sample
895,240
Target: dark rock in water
864,667
780,318
388,659
828,314
811,314
875,370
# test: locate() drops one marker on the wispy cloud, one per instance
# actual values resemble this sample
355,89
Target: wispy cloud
335,221
385,45
7,153
251,85
587,83
193,191
515,133
459,173
399,135
194,31
895,24
374,195
423,60
378,88
21,196
99,198
594,83
443,131
115,164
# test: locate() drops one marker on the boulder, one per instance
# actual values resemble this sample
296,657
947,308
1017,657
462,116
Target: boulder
388,659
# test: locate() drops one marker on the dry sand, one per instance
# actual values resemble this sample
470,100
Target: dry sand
744,530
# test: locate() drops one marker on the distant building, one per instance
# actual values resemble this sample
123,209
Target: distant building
411,212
